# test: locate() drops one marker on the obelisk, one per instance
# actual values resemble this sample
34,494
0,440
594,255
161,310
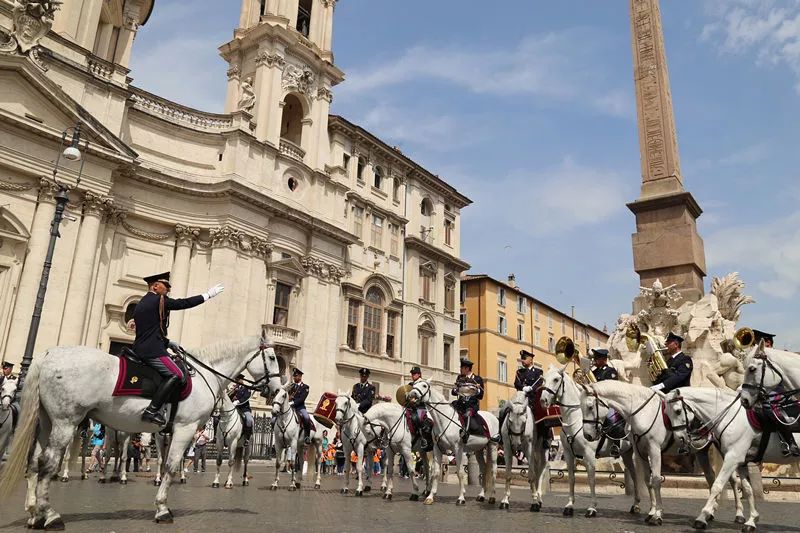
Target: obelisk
666,245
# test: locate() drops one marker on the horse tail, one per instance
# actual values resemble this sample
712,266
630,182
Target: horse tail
17,463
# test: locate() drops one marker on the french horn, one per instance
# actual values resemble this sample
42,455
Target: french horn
566,352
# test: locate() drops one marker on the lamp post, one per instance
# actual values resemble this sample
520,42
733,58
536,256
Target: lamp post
70,153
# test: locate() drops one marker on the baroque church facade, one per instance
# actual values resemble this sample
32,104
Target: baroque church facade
344,249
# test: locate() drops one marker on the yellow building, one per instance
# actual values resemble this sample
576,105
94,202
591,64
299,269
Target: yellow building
498,320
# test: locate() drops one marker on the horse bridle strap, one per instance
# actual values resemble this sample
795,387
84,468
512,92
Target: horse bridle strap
252,384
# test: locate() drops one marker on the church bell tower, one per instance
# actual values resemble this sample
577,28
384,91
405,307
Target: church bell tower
281,74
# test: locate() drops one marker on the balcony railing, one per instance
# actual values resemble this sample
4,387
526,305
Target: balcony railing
292,150
282,335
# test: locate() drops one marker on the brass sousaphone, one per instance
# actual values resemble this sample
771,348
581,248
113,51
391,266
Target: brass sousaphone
656,365
566,352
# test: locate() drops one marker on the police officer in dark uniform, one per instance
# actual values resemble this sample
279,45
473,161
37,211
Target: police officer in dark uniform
612,425
602,371
679,367
240,395
298,392
468,405
152,320
8,368
363,391
422,424
527,379
768,338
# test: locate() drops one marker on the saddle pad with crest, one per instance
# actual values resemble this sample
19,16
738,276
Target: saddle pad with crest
135,379
551,416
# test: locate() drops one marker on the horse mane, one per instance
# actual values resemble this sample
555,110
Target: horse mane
618,389
219,350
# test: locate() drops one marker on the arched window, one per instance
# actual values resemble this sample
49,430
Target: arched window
426,334
292,120
378,181
426,207
373,317
396,190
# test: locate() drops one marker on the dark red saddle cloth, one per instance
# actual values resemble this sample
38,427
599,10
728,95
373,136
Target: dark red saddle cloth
551,416
136,379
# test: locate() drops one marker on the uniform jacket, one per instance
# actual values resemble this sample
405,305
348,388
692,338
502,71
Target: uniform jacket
527,377
364,394
473,401
152,322
605,372
242,395
299,393
679,368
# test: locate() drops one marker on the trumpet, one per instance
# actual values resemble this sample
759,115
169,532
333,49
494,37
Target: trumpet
656,365
566,352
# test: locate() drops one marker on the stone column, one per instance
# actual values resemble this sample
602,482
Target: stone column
184,238
89,20
31,272
261,250
127,33
223,269
83,271
326,42
360,328
268,112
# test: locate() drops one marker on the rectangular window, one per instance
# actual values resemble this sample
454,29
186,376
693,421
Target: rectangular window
502,369
463,292
549,320
372,327
464,354
520,332
447,354
501,297
280,316
377,231
522,304
536,312
537,341
346,161
394,233
424,348
358,221
352,323
396,190
502,325
551,344
426,279
448,232
391,326
563,325
362,164
449,299
463,321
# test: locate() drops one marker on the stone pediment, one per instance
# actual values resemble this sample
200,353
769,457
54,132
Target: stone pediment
290,266
42,106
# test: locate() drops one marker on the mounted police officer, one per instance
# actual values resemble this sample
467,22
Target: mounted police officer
679,367
240,395
298,392
527,380
613,425
152,320
363,391
467,406
421,423
788,444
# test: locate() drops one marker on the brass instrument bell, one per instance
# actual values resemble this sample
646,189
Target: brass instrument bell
744,338
565,350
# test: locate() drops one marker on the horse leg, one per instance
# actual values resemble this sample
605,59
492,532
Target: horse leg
278,451
627,460
654,453
642,468
433,473
738,499
509,454
490,472
32,477
123,474
319,460
388,474
360,469
725,473
540,462
481,460
590,460
462,476
705,464
215,483
570,460
232,451
60,437
348,465
172,464
747,488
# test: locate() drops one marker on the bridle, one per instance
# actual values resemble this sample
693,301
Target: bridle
343,426
706,430
249,384
512,433
761,391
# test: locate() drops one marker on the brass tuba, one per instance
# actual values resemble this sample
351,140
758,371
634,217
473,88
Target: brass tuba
744,338
566,352
634,338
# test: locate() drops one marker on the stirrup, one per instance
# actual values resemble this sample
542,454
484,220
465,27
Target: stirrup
154,417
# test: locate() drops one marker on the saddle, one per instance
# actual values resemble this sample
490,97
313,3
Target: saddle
299,419
550,417
477,424
137,379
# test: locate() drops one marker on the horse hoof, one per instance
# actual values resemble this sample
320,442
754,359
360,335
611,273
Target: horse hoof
102,481
503,505
710,518
317,485
292,488
344,491
414,497
38,523
123,481
367,488
648,518
57,524
568,511
359,493
245,483
84,476
590,513
739,520
635,509
461,501
480,499
535,507
215,485
383,488
428,501
388,496
157,483
657,522
297,485
64,479
183,481
492,500
273,487
749,529
699,524
165,518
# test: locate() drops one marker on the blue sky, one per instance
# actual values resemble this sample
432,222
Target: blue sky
529,109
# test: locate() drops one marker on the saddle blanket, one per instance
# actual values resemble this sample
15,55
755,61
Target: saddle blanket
135,379
462,418
667,423
550,416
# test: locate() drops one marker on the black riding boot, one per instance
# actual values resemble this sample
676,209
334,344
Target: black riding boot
153,411
247,432
788,445
465,429
307,429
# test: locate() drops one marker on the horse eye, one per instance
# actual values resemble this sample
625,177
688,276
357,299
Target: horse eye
751,369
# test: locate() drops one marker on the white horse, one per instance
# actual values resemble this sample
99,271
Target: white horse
7,394
766,369
385,426
519,433
560,389
651,439
705,413
66,384
287,438
350,422
229,434
447,436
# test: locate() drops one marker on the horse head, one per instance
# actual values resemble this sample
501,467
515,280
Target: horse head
681,418
419,392
553,386
7,392
517,419
279,400
760,376
345,409
264,367
594,411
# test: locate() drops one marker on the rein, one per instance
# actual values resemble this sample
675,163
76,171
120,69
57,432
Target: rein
705,430
252,384
345,423
392,431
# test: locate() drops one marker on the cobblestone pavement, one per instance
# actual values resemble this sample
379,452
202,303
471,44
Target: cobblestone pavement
89,506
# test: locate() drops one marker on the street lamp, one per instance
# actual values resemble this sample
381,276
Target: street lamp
70,153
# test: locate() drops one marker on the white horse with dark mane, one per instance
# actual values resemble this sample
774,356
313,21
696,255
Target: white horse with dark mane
447,437
7,394
520,434
229,435
642,409
700,414
560,389
287,439
66,384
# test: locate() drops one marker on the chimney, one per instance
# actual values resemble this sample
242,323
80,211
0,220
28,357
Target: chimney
512,280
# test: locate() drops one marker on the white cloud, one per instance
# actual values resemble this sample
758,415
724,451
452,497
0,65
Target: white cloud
747,156
561,66
766,28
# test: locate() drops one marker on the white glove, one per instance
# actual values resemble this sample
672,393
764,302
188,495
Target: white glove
526,389
236,403
657,387
213,291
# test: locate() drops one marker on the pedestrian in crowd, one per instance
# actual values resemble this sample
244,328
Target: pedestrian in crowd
324,451
330,457
189,456
134,453
376,462
98,440
200,441
340,458
353,461
403,468
146,439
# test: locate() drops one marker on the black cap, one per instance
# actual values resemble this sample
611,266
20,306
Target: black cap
363,372
6,364
762,335
163,278
524,354
599,352
466,363
673,337
416,370
297,372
